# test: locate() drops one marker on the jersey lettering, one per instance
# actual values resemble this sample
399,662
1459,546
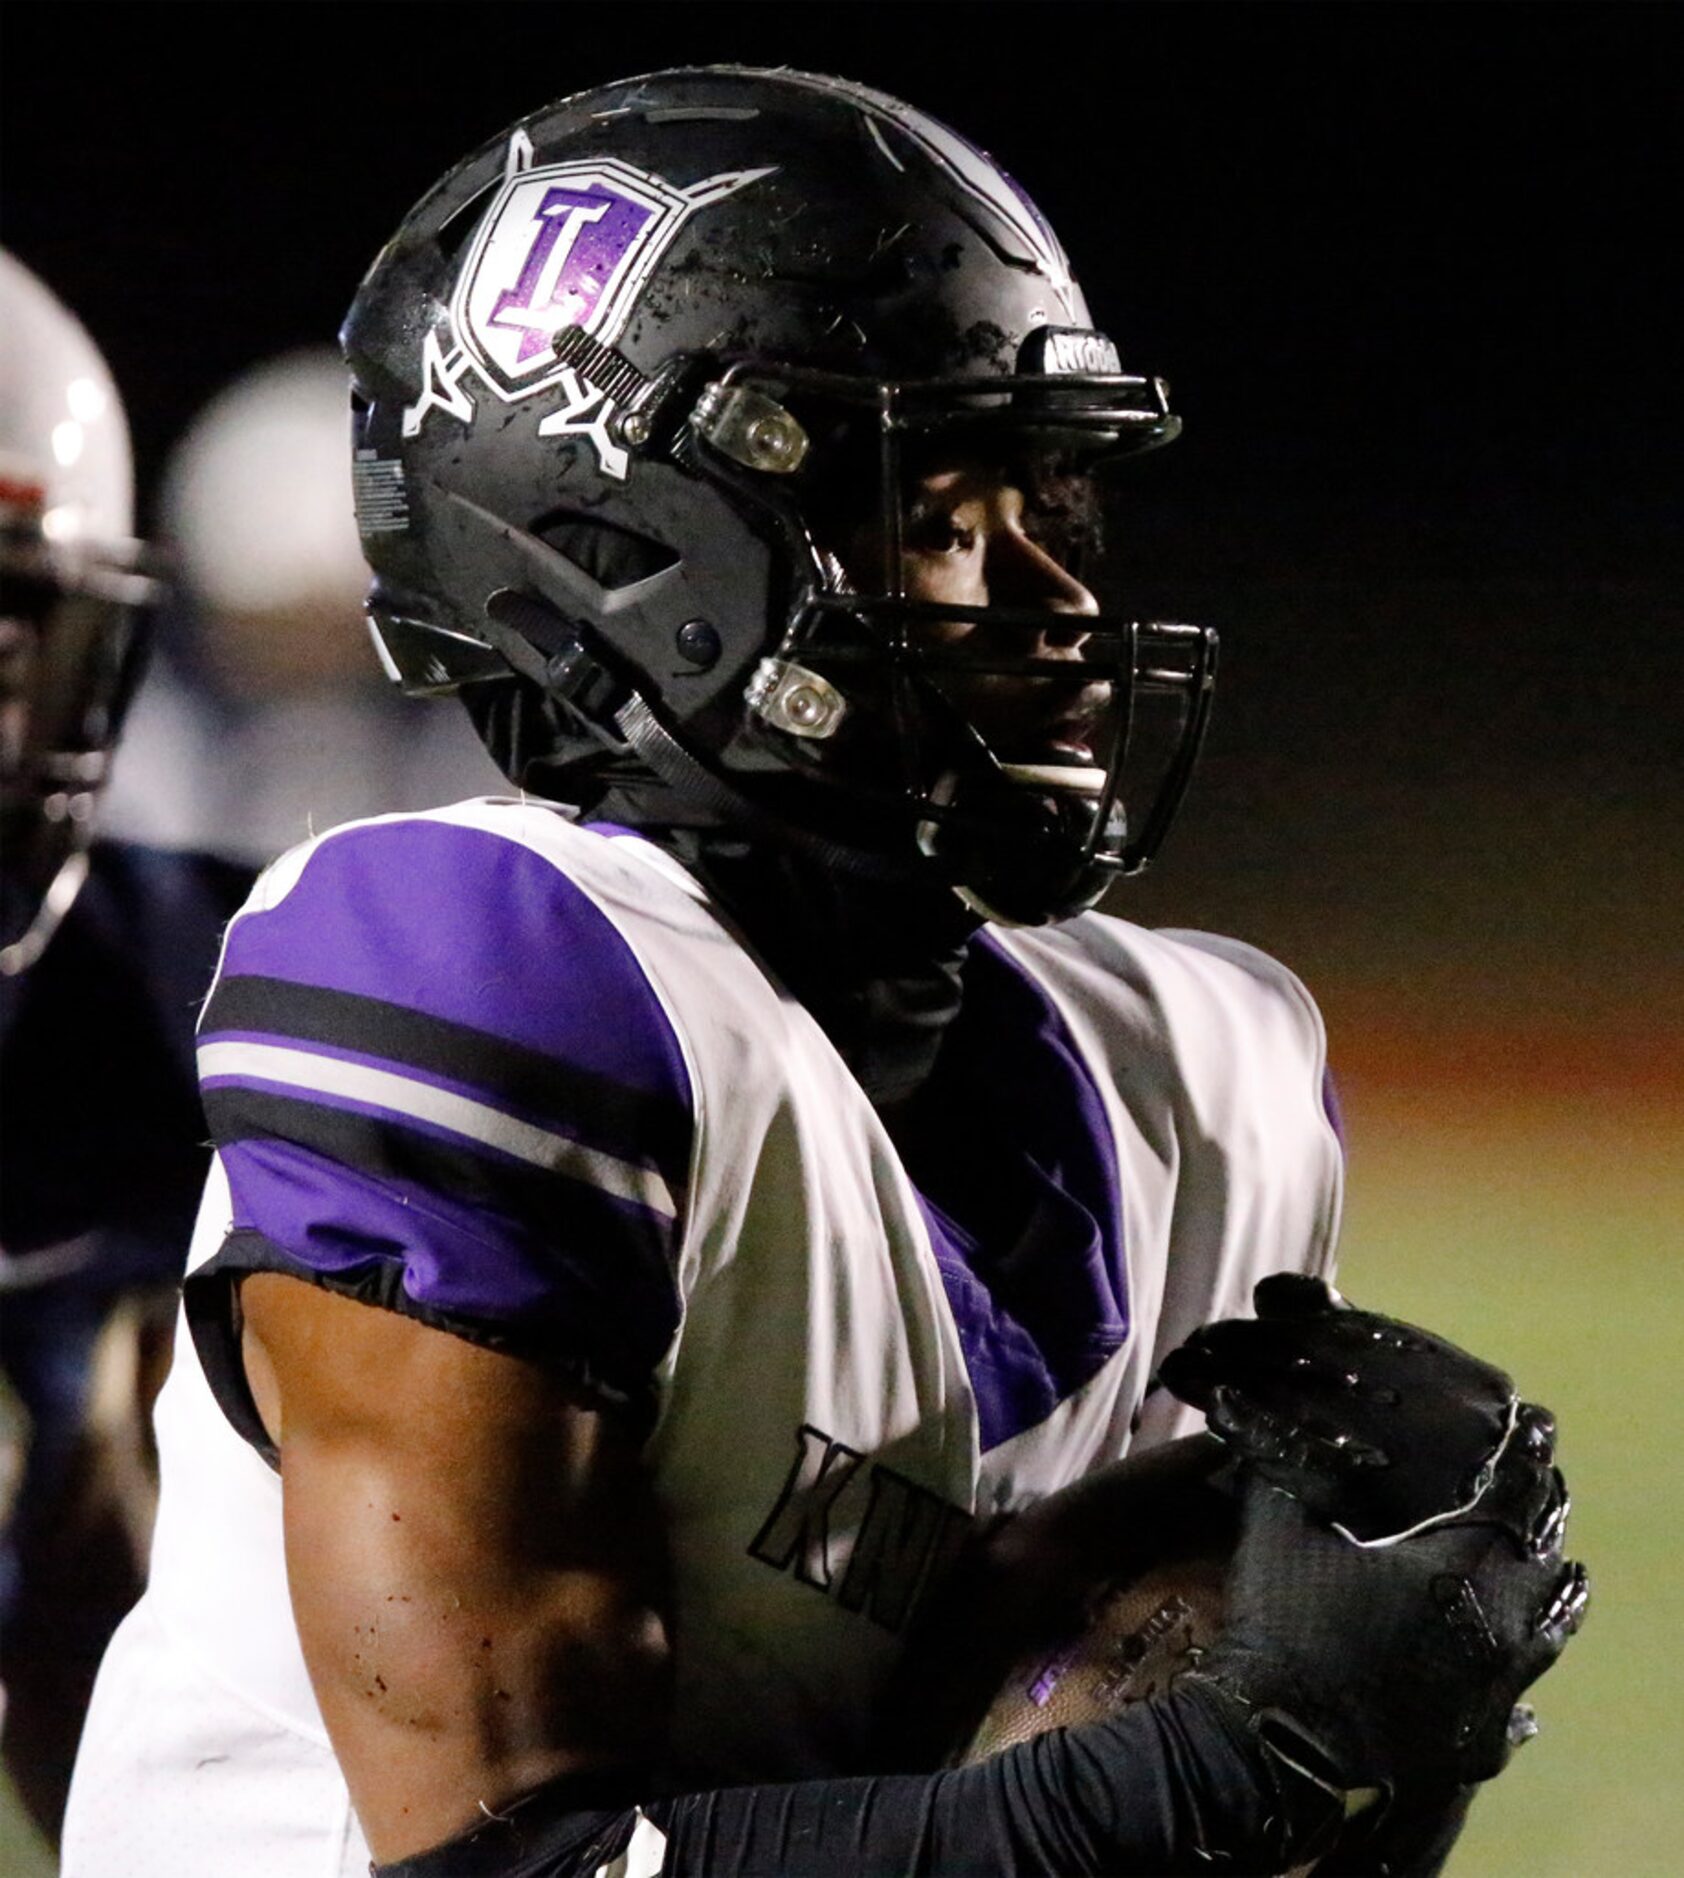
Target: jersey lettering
906,1531
798,1527
906,1537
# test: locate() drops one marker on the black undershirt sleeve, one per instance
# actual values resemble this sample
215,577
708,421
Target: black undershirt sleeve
1170,1786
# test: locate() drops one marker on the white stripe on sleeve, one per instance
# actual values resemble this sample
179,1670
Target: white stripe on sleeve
442,1108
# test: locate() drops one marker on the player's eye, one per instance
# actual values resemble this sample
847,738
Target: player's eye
938,531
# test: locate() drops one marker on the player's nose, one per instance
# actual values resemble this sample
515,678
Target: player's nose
1022,573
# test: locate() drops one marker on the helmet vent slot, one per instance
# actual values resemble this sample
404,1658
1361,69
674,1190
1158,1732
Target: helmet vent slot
701,113
612,556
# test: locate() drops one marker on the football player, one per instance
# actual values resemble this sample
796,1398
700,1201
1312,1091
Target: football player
105,950
656,1218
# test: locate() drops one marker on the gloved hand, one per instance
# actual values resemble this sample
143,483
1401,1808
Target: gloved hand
1399,1579
1379,1427
1400,1664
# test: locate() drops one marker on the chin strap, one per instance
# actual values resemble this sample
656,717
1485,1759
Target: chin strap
683,770
545,647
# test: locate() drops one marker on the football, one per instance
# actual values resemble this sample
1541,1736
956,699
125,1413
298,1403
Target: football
1096,1597
1135,1636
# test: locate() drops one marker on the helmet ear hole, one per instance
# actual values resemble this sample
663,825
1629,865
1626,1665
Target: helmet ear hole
614,557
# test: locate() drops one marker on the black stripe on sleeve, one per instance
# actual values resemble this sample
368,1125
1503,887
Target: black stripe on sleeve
464,1173
638,1124
499,1252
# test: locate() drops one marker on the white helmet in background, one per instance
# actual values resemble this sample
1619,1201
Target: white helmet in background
256,509
72,603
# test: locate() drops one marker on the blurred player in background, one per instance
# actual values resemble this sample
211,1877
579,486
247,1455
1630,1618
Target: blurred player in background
264,717
656,1221
105,953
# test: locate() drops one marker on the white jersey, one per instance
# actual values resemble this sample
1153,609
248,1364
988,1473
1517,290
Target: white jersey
521,1079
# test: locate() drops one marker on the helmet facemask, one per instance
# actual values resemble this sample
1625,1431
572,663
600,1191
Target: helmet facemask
1026,748
72,637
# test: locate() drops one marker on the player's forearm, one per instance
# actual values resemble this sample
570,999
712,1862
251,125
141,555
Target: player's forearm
474,1558
462,1653
459,1658
443,1702
1166,1787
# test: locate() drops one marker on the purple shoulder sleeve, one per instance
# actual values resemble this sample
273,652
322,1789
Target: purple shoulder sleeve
439,1079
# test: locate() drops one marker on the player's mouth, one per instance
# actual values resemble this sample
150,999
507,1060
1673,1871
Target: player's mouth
1073,739
1057,754
1064,735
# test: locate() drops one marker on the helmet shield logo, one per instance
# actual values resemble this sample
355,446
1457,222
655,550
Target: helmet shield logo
567,245
564,245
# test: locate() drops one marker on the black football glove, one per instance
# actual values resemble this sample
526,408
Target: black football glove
1399,1579
1381,1428
1394,1666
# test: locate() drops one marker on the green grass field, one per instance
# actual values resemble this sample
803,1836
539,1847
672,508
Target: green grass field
1548,1238
22,1855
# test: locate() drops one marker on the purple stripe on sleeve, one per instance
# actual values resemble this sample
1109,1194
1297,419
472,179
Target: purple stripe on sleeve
465,925
593,1270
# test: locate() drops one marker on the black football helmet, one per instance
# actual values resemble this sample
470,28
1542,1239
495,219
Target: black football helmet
628,381
75,600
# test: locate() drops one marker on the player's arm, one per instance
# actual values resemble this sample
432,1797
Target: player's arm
496,1721
475,1560
1366,1687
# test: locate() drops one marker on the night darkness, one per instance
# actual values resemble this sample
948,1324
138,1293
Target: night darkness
1411,270
1407,265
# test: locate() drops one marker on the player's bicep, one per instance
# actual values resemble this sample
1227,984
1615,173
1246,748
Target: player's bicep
475,1558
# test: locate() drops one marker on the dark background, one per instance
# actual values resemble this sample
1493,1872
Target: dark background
1411,270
